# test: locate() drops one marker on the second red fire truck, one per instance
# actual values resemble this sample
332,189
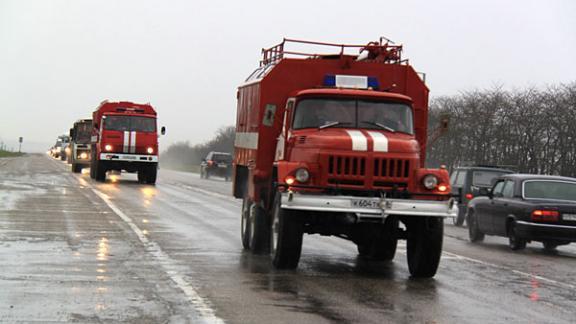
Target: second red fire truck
124,137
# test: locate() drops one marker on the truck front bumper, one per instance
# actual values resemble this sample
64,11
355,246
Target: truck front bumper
368,207
128,157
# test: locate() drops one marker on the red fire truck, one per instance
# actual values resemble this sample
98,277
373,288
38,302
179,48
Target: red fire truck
335,144
124,137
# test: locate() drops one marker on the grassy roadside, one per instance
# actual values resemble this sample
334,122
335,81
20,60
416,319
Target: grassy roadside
9,154
185,168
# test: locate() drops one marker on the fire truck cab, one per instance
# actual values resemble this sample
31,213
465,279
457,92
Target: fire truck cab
335,144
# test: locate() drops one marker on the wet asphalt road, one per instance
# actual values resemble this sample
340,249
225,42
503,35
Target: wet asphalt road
73,250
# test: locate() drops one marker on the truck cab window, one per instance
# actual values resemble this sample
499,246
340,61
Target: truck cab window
131,123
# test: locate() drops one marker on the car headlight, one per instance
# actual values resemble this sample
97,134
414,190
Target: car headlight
302,175
150,150
108,147
430,181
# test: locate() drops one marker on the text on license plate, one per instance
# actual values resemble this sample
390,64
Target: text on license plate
365,203
570,217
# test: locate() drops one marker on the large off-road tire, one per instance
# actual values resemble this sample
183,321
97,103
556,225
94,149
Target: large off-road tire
515,242
474,232
259,230
382,245
245,223
424,246
287,232
100,172
151,174
76,168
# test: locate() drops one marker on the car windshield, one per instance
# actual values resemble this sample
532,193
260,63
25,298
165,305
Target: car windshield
485,178
352,113
557,190
83,132
130,123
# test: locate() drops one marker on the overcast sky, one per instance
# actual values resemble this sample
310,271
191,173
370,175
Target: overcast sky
60,59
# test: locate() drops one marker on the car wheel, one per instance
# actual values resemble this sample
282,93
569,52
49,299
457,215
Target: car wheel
424,246
245,223
287,233
550,246
514,241
474,232
459,220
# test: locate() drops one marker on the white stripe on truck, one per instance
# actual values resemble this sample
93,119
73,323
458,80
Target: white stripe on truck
359,141
246,140
132,142
126,142
380,141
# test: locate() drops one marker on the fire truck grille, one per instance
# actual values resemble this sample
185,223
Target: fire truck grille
367,172
391,168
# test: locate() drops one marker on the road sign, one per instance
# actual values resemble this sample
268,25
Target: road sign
20,139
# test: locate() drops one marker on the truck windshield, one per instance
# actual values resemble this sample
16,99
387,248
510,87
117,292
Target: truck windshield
83,132
352,113
130,123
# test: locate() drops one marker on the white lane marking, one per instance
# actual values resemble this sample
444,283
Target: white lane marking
518,272
132,142
200,304
380,141
126,141
359,140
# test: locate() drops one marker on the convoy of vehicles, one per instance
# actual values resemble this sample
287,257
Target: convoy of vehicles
80,134
526,208
216,164
124,137
335,144
466,183
349,134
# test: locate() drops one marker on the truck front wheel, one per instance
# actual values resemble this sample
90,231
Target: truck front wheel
76,168
424,246
287,232
147,174
100,171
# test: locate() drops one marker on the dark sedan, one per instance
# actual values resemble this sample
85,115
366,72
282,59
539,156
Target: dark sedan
526,208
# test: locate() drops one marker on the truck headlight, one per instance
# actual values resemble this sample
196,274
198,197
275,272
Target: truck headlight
302,175
108,147
83,155
430,181
150,150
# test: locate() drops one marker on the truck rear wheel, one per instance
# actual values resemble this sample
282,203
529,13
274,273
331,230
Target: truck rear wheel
424,246
245,223
286,236
382,245
76,168
259,230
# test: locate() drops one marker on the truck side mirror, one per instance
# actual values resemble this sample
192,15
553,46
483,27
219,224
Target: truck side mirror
163,130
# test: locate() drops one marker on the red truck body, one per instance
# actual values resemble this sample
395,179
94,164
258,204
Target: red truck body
124,137
352,178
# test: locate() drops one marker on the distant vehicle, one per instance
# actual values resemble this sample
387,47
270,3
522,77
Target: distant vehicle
124,137
216,164
59,149
79,156
466,183
526,208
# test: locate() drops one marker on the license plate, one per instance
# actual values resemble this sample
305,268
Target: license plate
129,157
365,203
222,165
570,217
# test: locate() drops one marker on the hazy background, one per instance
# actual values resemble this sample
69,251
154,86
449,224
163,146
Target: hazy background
60,59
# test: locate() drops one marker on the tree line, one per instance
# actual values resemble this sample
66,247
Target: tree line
530,131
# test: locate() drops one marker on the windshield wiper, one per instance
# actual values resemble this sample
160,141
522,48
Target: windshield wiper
331,124
379,125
